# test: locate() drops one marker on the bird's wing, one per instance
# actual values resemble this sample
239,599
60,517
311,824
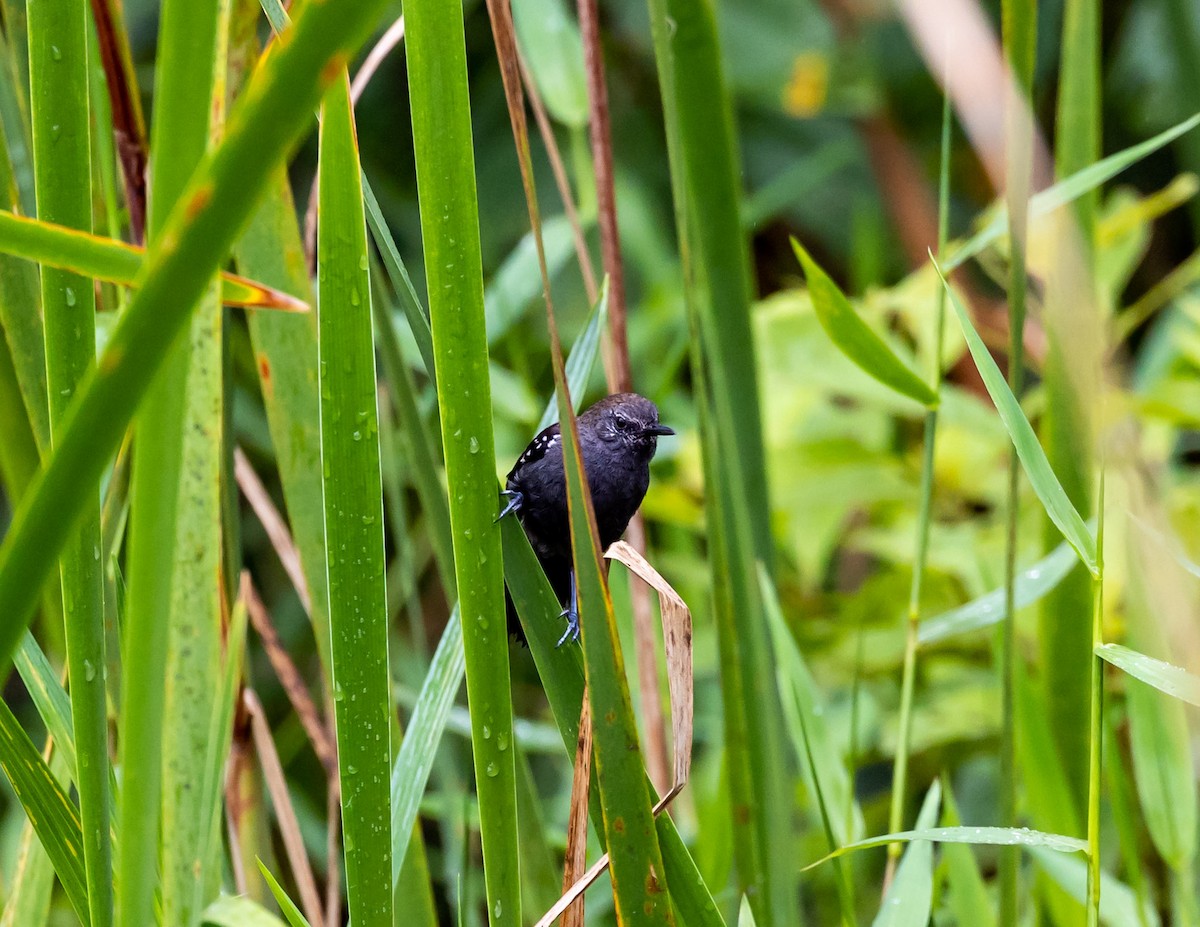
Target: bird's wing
537,449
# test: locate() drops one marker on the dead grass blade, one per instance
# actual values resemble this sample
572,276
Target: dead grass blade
293,683
677,639
562,181
285,814
600,133
577,825
273,523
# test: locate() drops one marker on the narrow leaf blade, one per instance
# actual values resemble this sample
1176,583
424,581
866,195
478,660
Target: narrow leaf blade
855,338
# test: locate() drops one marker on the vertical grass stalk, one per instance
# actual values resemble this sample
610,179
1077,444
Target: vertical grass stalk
704,179
354,532
1065,620
183,105
1020,44
437,77
924,518
1096,725
62,173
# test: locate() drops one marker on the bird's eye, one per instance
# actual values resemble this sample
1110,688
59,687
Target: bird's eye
621,422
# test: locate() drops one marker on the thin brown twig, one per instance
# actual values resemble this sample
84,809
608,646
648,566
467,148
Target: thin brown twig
597,869
333,850
600,132
236,805
293,683
388,41
561,180
577,824
285,814
618,370
273,523
129,128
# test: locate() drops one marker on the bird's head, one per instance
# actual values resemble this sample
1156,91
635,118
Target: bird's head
627,420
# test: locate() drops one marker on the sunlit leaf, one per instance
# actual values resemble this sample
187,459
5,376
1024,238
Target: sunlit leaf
1065,191
1030,586
1118,903
1165,677
855,338
1037,467
909,899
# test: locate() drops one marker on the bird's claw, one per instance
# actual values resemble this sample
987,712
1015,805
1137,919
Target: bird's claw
572,631
515,498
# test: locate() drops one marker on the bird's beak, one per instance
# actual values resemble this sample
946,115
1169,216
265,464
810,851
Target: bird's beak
659,430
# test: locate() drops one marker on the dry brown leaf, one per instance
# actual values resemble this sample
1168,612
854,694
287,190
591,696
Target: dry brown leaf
273,523
577,825
291,680
677,640
285,814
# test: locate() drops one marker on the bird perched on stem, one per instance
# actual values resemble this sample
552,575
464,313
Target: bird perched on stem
618,437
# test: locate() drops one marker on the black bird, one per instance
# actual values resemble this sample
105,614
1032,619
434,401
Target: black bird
618,436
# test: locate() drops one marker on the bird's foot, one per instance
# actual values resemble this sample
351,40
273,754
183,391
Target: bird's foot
515,498
572,631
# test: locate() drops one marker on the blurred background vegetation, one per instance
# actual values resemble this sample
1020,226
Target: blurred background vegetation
838,121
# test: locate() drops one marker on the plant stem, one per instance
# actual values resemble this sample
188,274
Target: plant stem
1096,738
924,513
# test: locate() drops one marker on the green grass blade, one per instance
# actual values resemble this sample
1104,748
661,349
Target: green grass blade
582,358
19,456
222,712
705,178
285,349
418,749
163,732
21,318
1068,190
1162,764
420,446
909,900
418,318
1031,585
1159,738
437,77
1066,615
797,685
967,895
262,129
62,174
1166,677
1118,904
238,911
48,807
1041,477
856,339
28,901
286,905
353,516
114,261
48,695
797,692
1078,122
972,836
